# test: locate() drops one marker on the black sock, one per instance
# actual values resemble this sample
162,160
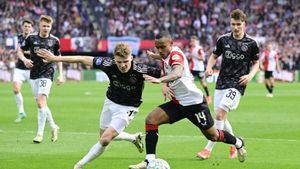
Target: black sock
226,137
151,141
206,91
269,88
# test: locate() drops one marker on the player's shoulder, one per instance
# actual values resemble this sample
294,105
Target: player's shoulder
139,67
251,39
223,36
32,35
54,37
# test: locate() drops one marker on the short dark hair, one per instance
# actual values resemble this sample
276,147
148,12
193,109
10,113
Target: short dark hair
163,34
238,14
27,21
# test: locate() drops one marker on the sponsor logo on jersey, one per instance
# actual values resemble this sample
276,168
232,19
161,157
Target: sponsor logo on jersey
176,57
232,55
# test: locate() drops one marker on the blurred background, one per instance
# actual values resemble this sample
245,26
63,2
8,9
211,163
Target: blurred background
92,27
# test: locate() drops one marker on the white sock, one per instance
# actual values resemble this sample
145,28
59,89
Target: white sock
125,136
94,152
50,118
41,121
238,143
150,157
220,126
19,101
227,127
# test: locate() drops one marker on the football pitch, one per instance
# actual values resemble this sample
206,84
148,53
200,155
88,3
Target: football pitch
270,126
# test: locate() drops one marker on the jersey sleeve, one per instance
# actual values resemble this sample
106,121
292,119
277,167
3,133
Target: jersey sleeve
152,71
176,58
218,50
57,48
26,44
102,63
255,51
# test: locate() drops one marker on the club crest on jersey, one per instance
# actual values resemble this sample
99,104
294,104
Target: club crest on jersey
132,80
50,43
99,61
244,48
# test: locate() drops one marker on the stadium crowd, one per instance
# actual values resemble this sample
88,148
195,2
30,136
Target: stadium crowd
275,20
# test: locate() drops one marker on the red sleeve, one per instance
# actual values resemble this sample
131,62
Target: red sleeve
201,53
176,58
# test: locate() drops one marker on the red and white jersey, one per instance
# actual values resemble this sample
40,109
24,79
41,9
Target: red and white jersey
195,63
269,58
185,90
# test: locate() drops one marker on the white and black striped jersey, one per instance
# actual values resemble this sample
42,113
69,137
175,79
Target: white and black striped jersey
33,43
125,88
237,57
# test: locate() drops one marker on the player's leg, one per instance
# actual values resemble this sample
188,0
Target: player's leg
224,102
205,86
18,79
42,88
136,139
165,113
232,150
113,120
268,83
93,153
200,116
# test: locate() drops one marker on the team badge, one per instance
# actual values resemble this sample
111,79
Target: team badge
99,61
50,43
132,79
244,48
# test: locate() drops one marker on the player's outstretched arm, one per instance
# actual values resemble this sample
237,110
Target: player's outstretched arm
211,62
50,57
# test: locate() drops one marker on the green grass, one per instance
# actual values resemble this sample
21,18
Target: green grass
271,127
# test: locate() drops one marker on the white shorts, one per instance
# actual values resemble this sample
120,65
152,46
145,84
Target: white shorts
227,99
116,116
41,86
21,75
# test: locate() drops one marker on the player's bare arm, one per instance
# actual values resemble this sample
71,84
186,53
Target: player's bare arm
60,78
27,62
175,74
167,92
50,57
211,62
244,80
153,55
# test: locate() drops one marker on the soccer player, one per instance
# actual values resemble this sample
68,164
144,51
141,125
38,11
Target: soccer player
271,63
187,101
123,96
197,59
41,74
21,72
239,53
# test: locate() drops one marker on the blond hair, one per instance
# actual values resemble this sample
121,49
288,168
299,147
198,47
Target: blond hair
122,50
46,18
194,37
238,14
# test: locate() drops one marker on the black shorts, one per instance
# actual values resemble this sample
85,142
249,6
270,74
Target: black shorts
268,74
199,74
198,114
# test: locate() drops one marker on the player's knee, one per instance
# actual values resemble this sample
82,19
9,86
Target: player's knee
151,120
105,140
212,137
